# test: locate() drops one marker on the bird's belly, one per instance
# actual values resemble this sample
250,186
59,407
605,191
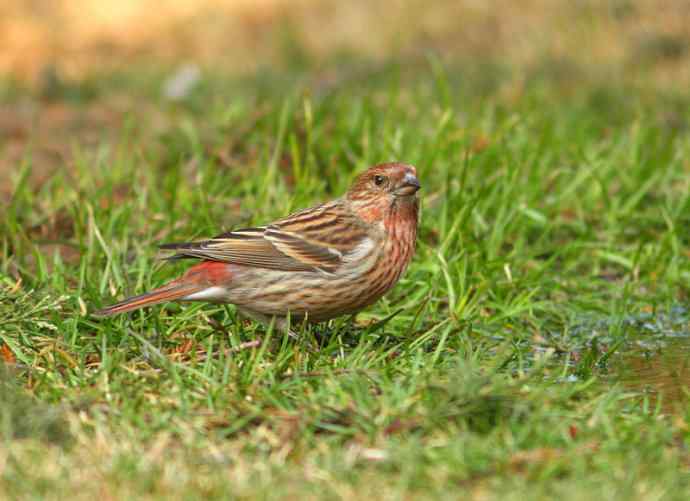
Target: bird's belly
310,295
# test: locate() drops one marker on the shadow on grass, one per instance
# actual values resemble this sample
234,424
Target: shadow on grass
23,417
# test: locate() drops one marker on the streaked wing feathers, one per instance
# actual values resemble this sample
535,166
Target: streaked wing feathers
312,239
316,254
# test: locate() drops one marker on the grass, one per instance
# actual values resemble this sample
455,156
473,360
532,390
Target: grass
550,205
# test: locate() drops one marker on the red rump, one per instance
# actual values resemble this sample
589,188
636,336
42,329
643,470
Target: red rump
198,278
209,273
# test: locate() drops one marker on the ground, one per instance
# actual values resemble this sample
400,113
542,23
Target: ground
522,356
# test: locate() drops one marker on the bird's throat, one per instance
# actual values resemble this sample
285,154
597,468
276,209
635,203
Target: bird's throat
402,215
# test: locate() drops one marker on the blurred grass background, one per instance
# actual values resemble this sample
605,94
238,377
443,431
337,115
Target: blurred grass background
625,36
63,52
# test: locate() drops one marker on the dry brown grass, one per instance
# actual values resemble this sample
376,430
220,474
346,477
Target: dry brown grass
79,37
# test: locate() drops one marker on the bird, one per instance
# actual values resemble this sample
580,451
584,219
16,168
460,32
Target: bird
313,265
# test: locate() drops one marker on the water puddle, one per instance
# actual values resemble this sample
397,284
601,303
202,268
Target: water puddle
654,358
660,372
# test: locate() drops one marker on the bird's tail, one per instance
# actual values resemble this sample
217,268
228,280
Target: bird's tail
170,292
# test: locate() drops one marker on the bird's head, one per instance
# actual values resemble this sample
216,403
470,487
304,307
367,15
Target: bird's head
384,189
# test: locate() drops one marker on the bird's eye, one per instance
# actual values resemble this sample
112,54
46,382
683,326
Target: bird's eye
379,180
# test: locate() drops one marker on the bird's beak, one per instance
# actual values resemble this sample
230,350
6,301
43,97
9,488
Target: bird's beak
409,185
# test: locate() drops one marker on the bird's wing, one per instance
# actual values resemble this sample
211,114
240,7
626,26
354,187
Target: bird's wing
316,238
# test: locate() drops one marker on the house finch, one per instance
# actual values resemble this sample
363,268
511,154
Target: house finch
316,264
